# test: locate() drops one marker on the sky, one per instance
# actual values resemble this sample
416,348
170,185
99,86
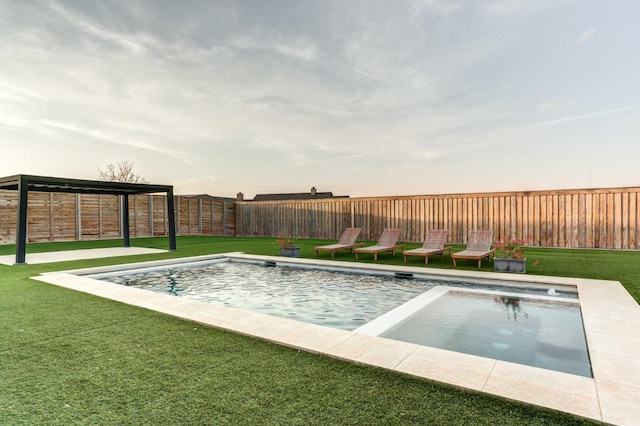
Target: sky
360,98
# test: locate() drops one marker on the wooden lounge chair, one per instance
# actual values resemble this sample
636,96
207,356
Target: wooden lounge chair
478,247
386,242
433,244
347,242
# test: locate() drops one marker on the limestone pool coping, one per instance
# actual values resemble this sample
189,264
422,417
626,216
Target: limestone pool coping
610,315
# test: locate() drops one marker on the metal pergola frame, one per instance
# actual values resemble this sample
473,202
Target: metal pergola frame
25,183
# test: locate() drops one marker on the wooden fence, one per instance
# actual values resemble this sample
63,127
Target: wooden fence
59,216
590,218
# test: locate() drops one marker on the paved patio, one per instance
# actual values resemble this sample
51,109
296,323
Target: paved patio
62,256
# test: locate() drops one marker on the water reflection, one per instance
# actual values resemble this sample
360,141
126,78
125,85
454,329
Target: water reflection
512,306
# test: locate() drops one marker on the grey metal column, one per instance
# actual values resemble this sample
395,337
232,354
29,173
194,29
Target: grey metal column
172,220
21,229
125,220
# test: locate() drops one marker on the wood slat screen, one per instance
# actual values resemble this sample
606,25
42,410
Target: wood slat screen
63,217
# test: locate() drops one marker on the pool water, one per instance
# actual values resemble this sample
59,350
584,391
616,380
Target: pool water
541,333
324,297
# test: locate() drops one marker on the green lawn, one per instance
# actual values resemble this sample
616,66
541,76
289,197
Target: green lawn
71,358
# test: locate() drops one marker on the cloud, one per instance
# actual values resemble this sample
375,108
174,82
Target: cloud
557,103
297,49
203,184
579,117
136,43
473,141
13,122
499,8
444,7
586,35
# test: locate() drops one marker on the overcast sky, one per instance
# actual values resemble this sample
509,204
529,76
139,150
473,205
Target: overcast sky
361,98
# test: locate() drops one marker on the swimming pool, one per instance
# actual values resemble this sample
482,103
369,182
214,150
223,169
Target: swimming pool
339,298
610,319
354,300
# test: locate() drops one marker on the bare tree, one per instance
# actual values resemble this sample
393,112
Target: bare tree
121,172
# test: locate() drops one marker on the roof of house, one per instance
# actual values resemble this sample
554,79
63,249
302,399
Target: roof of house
297,196
207,197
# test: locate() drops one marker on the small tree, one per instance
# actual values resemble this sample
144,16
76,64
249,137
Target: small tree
121,172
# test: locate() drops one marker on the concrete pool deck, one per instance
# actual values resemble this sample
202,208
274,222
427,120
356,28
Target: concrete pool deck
611,320
62,256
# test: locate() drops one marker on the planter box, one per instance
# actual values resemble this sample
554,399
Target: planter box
501,264
290,251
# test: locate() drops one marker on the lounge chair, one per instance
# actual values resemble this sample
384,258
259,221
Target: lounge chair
347,242
478,247
433,244
386,242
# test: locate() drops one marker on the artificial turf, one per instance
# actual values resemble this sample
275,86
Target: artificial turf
71,358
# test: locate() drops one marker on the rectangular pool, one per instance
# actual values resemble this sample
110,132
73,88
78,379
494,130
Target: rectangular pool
517,324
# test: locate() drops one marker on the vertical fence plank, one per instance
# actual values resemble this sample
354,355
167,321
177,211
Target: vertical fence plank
544,221
575,221
581,231
617,223
633,220
588,221
596,220
604,220
569,222
625,220
610,223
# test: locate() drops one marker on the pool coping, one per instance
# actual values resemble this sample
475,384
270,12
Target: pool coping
611,318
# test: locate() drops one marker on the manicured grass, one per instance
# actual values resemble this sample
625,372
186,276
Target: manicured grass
71,358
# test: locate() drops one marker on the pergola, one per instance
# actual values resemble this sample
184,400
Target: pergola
25,183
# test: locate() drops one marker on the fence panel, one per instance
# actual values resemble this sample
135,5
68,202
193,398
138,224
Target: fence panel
590,218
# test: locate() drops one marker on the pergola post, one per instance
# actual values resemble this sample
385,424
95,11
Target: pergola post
172,220
21,228
125,221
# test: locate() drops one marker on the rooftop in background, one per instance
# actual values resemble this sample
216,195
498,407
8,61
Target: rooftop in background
311,195
209,197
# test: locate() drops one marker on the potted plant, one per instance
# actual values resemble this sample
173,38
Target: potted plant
287,248
509,256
